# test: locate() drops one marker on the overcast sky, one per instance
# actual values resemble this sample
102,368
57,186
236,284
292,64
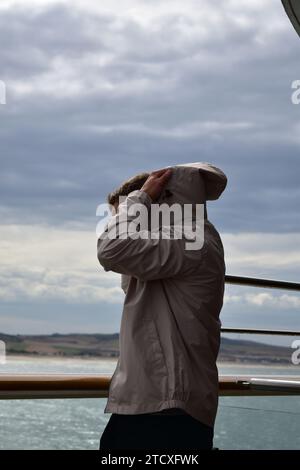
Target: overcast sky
98,91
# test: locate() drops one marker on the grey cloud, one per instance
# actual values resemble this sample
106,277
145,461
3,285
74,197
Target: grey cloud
55,165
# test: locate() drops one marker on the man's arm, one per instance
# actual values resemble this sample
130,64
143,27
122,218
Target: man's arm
144,258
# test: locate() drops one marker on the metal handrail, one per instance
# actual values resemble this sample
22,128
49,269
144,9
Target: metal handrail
275,385
261,331
259,282
265,283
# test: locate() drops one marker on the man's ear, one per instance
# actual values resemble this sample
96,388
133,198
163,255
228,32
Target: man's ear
112,209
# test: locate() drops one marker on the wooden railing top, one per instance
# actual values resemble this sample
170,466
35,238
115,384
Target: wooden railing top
96,386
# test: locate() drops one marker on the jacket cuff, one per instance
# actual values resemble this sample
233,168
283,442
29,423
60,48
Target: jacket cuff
142,196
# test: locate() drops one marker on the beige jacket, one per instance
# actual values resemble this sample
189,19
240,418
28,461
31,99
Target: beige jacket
170,327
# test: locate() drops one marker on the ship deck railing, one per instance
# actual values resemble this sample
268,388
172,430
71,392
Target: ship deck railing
58,386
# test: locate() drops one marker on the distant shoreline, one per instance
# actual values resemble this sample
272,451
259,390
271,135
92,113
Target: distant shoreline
101,347
29,357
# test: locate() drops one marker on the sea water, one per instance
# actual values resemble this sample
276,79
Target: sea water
242,422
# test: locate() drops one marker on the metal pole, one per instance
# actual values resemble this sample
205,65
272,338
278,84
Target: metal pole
292,8
258,282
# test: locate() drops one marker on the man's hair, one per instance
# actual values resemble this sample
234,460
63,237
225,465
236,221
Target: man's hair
136,182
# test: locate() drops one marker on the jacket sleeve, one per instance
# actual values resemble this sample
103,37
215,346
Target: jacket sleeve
145,258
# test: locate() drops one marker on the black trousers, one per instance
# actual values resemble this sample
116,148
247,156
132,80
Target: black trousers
151,431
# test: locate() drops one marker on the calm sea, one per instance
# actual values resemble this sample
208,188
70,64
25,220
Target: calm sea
242,422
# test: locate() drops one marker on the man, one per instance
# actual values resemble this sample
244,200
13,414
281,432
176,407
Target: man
164,391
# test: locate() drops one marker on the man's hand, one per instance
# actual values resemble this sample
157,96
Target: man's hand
155,183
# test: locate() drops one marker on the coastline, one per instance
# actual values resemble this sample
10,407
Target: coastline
43,359
30,357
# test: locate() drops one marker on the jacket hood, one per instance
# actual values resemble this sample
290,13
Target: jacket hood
190,183
193,183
